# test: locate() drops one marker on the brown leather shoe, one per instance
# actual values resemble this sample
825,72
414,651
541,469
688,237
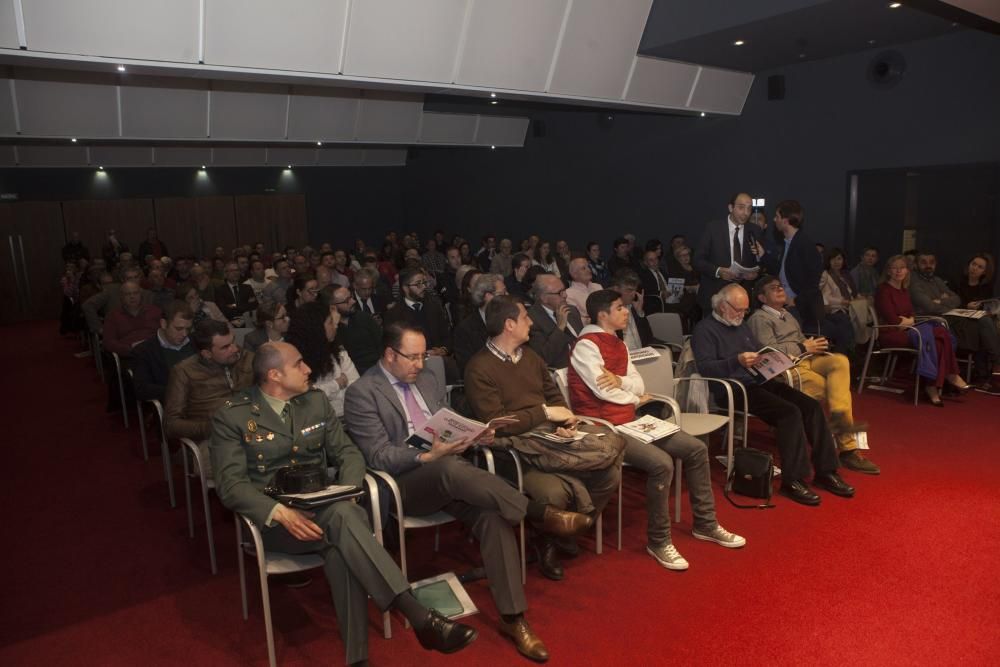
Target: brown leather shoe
564,524
527,642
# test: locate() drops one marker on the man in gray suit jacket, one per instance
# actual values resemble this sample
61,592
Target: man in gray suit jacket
385,407
554,323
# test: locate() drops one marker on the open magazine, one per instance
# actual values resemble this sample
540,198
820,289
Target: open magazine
965,312
744,273
449,426
648,428
772,362
675,290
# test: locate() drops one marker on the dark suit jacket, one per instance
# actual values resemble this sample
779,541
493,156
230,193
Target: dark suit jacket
231,308
432,318
470,337
361,336
548,342
255,339
151,369
642,326
376,419
379,302
803,269
651,288
714,251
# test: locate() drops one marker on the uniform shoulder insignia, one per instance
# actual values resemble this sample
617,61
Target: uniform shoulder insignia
237,400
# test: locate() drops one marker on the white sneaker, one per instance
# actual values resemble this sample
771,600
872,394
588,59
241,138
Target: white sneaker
720,535
668,557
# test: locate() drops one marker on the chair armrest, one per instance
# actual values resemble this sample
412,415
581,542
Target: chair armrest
670,402
376,506
393,488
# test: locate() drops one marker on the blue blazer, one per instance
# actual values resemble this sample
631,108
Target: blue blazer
803,269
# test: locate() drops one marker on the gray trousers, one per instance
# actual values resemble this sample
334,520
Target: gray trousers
552,489
487,505
657,460
356,566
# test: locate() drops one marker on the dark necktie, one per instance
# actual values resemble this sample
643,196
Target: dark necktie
737,250
417,306
236,293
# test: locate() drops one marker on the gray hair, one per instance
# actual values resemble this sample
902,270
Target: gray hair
537,288
483,284
723,294
266,358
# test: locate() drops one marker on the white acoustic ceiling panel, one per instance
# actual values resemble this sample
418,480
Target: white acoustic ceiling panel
661,82
448,128
238,156
721,90
164,108
135,29
52,156
323,114
8,126
181,156
404,39
121,156
303,36
510,44
389,117
385,157
598,47
340,157
501,131
297,157
249,111
8,156
66,104
8,26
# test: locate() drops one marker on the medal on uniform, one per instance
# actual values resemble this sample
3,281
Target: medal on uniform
259,438
255,409
246,438
251,425
270,436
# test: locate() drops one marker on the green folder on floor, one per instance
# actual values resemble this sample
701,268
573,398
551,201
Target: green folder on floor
445,594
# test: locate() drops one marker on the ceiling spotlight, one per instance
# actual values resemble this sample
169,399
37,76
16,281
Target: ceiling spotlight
100,168
493,94
739,42
289,167
895,5
203,167
493,147
702,114
121,68
319,143
493,102
73,140
871,41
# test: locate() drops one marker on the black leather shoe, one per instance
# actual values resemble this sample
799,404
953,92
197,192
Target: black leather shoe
799,492
562,523
443,635
548,562
832,482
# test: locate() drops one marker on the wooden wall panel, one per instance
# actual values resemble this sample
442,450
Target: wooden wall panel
130,218
177,224
283,216
254,222
216,223
41,228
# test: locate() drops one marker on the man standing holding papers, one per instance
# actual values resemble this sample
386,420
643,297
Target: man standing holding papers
281,422
604,383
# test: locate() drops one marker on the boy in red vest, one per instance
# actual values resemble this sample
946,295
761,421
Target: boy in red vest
604,383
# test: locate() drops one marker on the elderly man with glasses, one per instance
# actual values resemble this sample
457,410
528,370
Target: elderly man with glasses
554,323
725,347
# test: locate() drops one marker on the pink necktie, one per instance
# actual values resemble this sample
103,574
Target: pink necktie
416,415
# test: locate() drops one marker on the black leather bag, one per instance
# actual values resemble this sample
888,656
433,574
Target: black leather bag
751,475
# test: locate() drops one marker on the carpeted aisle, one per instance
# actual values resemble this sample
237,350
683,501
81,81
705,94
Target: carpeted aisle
98,570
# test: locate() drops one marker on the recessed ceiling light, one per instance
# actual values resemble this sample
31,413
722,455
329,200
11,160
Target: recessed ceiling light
493,94
702,114
739,42
493,102
73,140
100,168
289,166
203,167
871,41
895,5
319,143
121,68
492,147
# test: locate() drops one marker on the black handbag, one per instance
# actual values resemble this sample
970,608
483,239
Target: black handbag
751,475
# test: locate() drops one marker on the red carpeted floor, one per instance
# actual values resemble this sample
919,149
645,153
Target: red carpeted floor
98,570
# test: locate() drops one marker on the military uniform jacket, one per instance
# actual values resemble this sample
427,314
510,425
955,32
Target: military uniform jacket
250,443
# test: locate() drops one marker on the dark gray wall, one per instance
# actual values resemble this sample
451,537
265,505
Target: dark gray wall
660,175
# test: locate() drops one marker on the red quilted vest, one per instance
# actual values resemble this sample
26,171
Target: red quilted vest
582,400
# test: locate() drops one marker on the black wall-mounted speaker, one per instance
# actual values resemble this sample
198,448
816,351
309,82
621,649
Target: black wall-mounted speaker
776,87
538,129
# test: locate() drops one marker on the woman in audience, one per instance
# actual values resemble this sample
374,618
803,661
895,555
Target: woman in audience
936,362
838,291
433,259
304,289
552,263
272,325
202,309
976,284
465,252
312,332
598,267
465,305
563,251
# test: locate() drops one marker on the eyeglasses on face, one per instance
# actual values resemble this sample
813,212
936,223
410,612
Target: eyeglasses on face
738,310
413,358
419,283
559,293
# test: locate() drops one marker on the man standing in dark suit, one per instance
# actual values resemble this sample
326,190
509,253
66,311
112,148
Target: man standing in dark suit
798,265
234,297
554,323
723,244
388,405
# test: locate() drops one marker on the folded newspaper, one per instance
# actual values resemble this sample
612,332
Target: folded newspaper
449,426
643,353
772,362
965,312
743,272
648,428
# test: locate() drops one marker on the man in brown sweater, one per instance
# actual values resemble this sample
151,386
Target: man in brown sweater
508,378
201,384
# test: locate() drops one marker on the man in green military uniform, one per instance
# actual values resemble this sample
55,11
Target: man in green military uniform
280,422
